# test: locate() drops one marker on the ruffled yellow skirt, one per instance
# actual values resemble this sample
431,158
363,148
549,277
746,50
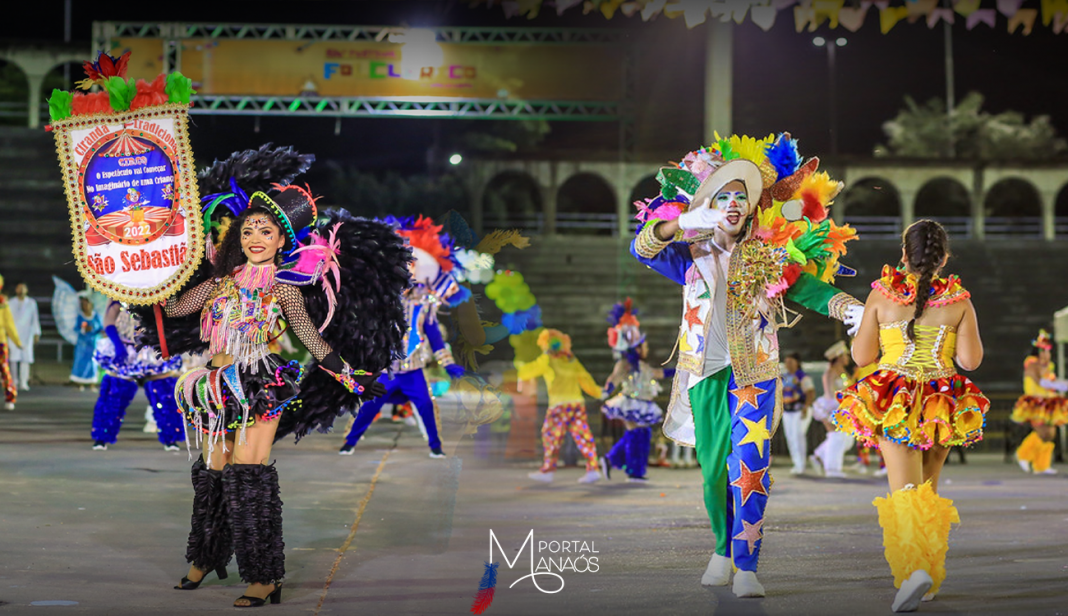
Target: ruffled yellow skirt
1037,410
948,411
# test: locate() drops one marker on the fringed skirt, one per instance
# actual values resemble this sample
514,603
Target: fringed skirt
218,401
1035,410
947,411
641,412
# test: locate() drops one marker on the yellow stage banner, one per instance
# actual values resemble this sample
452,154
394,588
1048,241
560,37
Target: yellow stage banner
288,68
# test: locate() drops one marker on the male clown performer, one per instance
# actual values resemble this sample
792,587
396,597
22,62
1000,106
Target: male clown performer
433,286
740,225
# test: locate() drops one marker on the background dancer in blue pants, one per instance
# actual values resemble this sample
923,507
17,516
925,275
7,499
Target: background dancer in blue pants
636,382
125,368
434,286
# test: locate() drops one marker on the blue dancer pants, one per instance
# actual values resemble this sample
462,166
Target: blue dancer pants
403,387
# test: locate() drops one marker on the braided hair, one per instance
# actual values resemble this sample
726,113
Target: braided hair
926,245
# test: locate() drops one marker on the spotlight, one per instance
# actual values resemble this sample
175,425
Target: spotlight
455,159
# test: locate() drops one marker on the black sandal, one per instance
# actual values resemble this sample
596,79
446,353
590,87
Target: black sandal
188,584
275,598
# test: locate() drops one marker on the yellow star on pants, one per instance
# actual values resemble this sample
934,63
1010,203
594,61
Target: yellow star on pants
756,433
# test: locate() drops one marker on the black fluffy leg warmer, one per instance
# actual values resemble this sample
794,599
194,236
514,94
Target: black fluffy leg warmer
211,540
256,516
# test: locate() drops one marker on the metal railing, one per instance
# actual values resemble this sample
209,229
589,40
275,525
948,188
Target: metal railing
1013,226
876,226
566,222
16,109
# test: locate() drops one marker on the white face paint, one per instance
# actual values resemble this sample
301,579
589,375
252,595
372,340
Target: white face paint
424,268
733,201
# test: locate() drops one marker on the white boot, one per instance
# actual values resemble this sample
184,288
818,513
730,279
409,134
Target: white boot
746,585
837,444
150,421
718,572
912,591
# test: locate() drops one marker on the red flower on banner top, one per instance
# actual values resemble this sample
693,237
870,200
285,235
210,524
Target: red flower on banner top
105,67
149,94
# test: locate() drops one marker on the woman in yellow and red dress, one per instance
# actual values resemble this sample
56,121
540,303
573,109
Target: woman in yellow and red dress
916,406
1043,405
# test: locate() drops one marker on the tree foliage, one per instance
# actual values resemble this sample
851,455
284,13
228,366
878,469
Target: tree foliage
969,133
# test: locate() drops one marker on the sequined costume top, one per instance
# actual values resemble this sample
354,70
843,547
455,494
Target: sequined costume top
239,312
423,341
640,384
929,356
1033,387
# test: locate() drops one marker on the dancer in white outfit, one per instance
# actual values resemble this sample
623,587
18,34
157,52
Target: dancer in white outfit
28,324
828,456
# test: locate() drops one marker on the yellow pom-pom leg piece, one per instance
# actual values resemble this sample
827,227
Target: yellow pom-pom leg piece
1029,448
915,524
1043,456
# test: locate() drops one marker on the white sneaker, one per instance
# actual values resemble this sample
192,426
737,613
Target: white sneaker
912,591
150,428
590,477
99,446
746,585
718,571
1025,466
542,477
9,406
637,480
817,464
928,597
797,471
1048,471
835,474
881,472
171,447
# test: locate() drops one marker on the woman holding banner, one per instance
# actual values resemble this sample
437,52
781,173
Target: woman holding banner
270,255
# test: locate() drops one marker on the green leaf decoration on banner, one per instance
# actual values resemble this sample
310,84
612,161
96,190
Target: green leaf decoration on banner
179,88
120,92
59,104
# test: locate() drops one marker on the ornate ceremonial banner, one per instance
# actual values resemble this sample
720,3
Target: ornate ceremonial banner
131,189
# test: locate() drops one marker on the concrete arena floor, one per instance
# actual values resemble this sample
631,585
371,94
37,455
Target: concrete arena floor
107,530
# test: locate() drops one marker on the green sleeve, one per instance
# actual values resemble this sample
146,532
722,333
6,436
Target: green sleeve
813,293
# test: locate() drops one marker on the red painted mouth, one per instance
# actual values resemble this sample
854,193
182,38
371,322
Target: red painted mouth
734,217
256,249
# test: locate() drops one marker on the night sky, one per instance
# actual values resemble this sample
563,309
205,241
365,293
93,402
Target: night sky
780,77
